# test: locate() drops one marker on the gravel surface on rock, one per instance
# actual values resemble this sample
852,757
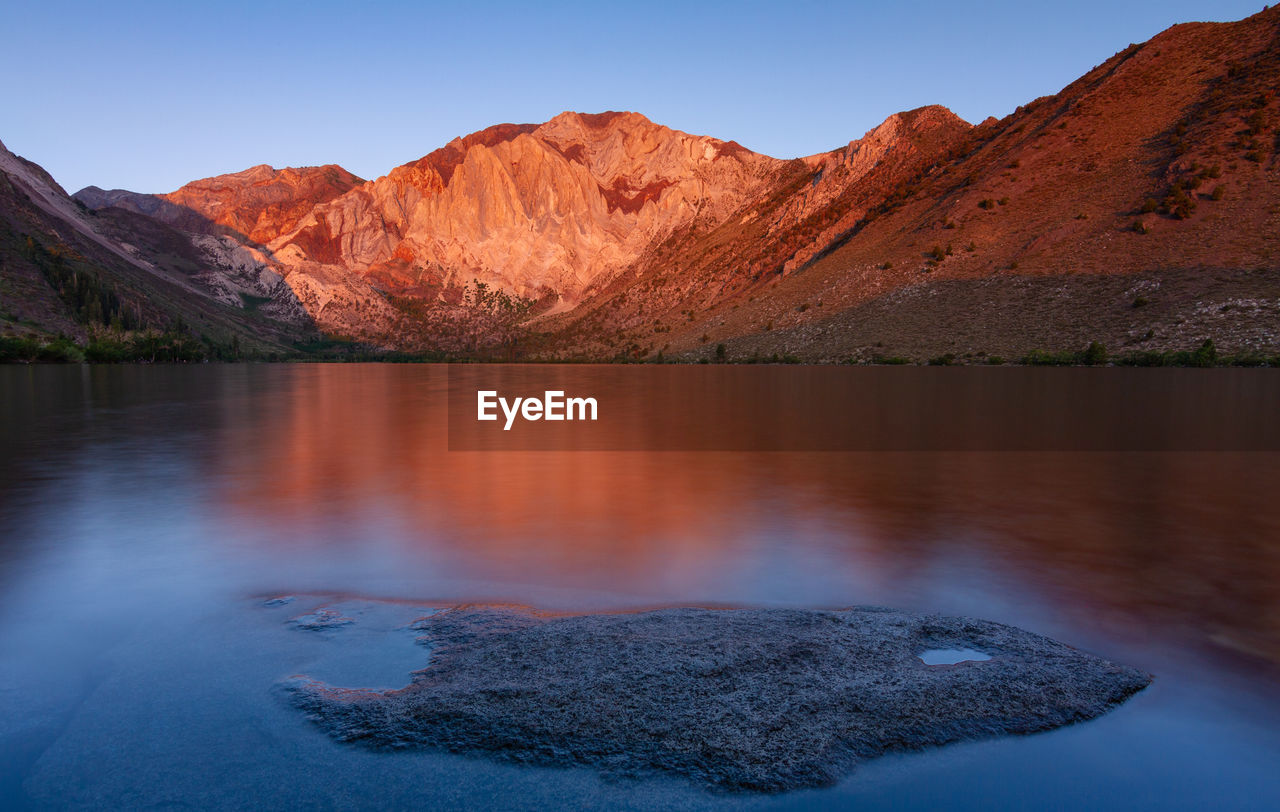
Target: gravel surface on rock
753,699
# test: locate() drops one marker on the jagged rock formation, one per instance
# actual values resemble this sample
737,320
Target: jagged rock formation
765,700
544,210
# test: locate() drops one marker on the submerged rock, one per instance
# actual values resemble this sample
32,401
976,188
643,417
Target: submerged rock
767,699
322,618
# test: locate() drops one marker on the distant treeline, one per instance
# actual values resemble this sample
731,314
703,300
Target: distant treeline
1206,355
179,346
170,347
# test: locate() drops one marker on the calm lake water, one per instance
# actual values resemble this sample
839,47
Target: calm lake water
146,513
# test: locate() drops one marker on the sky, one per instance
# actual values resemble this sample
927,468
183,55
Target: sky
150,95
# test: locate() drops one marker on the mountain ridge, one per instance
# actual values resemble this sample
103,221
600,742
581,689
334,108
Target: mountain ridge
627,238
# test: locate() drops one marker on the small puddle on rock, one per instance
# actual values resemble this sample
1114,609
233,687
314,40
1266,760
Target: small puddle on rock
951,656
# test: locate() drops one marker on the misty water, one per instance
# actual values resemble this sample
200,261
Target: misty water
147,516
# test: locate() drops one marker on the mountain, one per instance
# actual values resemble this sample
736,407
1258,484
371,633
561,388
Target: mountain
1152,180
68,270
1138,207
813,203
541,211
255,206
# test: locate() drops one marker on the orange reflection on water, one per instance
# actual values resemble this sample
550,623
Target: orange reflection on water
1184,542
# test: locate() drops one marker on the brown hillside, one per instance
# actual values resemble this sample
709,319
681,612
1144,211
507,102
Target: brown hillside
1163,158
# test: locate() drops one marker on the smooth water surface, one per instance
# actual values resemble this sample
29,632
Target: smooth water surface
147,513
952,656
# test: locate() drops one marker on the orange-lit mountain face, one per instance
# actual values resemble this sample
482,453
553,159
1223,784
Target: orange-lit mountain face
1140,207
543,212
255,206
1159,169
556,212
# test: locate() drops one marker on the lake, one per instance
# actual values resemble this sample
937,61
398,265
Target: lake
148,513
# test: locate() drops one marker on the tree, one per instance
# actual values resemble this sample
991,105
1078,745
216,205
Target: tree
494,316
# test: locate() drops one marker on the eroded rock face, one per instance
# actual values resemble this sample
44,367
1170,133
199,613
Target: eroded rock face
242,276
531,209
765,700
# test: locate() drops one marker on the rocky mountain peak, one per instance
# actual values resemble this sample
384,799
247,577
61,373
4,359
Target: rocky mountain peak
261,202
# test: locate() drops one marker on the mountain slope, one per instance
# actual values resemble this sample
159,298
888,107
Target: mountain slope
65,269
1114,175
811,204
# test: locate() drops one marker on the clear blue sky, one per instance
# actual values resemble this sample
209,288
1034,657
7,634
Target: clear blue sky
149,95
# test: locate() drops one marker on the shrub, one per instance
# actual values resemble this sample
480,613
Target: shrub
1095,353
17,349
946,360
1139,301
1149,205
1178,203
1218,192
60,351
987,203
1205,355
720,353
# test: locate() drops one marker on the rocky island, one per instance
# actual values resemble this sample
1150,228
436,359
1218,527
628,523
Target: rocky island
735,700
